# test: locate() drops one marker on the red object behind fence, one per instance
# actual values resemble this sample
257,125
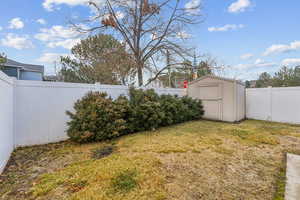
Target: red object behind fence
185,84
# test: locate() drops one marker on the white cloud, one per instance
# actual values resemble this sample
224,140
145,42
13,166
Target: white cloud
67,44
259,63
56,32
1,28
246,56
50,57
41,21
51,5
193,7
262,63
183,35
17,42
225,28
291,62
120,15
282,48
16,23
239,6
59,36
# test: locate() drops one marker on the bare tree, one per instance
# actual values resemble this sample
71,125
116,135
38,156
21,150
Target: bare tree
147,29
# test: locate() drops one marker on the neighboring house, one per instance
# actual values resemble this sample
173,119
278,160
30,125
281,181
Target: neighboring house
23,71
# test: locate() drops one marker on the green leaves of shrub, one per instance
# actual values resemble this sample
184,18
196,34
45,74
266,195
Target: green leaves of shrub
98,117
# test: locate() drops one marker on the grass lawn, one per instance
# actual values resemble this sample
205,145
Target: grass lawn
195,160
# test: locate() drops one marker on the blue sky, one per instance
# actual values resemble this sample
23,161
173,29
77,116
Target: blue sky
250,36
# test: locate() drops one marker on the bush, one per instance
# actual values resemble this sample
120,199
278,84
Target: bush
194,108
173,107
146,112
179,110
98,117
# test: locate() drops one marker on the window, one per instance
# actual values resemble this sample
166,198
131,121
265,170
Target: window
11,71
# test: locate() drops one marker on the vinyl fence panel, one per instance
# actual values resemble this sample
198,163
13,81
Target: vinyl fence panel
6,119
274,104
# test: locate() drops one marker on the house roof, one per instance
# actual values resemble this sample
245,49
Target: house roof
217,77
26,67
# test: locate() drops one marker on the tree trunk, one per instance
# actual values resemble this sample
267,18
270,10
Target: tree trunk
140,75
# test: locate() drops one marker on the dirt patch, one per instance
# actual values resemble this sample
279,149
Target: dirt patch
26,164
102,152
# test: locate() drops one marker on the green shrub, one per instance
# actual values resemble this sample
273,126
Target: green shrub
139,96
96,118
194,108
173,107
146,112
179,110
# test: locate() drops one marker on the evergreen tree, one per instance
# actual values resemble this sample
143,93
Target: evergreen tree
285,77
100,58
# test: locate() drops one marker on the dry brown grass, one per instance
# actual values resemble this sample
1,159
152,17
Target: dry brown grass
195,160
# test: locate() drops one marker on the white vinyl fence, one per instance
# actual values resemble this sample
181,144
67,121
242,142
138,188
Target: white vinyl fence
41,107
33,112
274,104
6,119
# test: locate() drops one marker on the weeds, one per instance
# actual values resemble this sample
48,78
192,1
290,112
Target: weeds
125,181
280,182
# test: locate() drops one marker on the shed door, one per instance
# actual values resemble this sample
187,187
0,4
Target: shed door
211,96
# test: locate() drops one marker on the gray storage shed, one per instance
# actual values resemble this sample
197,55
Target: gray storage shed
223,99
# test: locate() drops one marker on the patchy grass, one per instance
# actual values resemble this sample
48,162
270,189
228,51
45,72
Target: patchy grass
125,181
280,184
195,160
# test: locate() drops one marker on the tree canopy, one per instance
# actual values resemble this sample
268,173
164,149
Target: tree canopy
100,58
285,77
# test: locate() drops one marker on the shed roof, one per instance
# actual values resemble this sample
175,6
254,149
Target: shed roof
27,67
217,77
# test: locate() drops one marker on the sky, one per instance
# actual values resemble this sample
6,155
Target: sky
248,36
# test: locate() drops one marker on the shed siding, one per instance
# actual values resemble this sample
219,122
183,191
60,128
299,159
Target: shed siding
231,98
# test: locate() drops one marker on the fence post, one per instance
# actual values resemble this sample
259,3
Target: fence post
270,101
14,88
97,86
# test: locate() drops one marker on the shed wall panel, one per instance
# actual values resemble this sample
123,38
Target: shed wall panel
229,98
